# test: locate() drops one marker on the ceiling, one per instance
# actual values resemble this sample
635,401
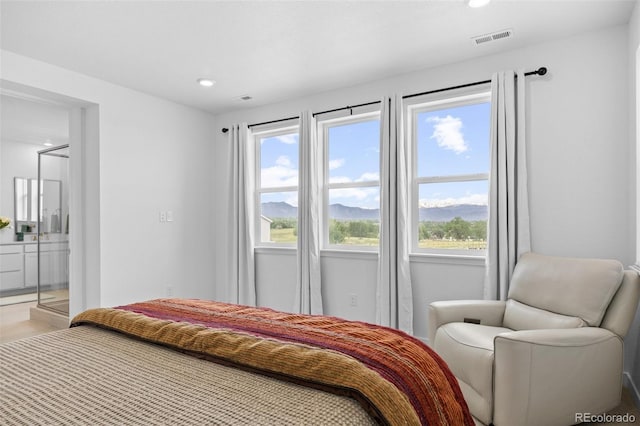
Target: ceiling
32,121
278,50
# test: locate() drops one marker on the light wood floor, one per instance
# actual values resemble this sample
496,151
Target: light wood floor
15,324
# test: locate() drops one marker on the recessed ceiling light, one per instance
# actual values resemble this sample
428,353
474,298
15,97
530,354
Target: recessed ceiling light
478,3
206,82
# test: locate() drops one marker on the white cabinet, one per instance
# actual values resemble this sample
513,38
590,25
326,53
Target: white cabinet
11,267
19,265
53,264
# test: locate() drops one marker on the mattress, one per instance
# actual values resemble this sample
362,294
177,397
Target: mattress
90,376
194,362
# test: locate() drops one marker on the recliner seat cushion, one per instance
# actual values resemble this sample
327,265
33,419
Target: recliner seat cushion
569,286
468,351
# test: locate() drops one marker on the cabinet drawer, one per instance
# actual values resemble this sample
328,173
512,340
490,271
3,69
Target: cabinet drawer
33,248
11,248
11,262
9,280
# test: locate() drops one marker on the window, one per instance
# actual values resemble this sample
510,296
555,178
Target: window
352,181
450,145
277,186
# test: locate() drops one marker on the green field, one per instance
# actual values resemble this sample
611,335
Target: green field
453,244
287,235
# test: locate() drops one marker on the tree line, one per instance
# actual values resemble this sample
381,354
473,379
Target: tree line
456,229
340,230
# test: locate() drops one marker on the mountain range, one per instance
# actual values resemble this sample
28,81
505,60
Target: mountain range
468,212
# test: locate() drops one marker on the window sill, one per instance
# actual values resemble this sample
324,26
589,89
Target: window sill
349,254
434,258
447,259
342,254
276,250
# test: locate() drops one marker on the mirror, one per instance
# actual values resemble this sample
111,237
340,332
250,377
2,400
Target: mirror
26,205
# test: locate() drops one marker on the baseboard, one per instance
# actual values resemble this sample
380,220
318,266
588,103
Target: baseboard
634,390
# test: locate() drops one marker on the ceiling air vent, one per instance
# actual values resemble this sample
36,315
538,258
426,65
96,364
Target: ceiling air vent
486,38
243,98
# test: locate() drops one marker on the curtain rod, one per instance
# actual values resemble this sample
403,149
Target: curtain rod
539,71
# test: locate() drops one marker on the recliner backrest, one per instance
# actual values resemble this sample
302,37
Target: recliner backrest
573,287
622,308
518,316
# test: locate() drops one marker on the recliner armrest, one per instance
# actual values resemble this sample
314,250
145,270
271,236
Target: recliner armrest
554,376
488,312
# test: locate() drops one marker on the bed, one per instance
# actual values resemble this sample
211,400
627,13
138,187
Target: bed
196,362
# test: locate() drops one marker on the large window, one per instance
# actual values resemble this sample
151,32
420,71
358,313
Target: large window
450,146
277,186
352,181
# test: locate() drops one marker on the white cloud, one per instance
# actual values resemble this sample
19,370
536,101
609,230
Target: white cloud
288,139
447,131
368,176
339,179
337,163
283,161
477,199
292,201
359,194
366,197
365,177
282,174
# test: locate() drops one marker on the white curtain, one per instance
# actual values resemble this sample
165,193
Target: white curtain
394,300
308,292
508,233
242,285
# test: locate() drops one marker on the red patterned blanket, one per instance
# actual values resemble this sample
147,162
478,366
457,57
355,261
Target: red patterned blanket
398,378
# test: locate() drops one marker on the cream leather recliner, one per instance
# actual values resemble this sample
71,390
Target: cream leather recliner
549,353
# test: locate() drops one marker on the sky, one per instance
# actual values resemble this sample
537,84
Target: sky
451,141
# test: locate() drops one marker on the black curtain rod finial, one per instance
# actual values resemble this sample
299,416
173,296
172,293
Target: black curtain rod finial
225,130
542,70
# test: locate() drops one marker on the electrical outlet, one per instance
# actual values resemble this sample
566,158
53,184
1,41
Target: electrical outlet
169,291
163,216
353,299
169,216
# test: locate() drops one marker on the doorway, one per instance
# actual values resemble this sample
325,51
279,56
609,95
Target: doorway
77,254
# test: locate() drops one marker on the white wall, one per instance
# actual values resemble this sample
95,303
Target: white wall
152,155
632,350
578,150
634,123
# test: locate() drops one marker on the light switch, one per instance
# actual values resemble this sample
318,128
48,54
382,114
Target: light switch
169,216
163,216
